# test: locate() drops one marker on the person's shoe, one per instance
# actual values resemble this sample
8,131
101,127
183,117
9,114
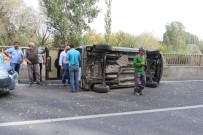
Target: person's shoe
136,93
135,90
63,85
39,83
140,93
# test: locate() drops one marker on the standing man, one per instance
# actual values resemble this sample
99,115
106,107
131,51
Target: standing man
41,62
16,56
31,56
139,76
73,56
64,66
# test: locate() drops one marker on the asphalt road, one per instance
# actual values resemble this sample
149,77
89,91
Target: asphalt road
174,108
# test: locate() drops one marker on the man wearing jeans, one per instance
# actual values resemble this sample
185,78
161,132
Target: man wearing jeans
140,77
16,56
73,56
64,66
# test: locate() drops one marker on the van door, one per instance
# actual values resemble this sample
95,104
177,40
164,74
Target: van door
53,71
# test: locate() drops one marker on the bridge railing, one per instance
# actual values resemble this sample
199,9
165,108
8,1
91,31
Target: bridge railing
182,60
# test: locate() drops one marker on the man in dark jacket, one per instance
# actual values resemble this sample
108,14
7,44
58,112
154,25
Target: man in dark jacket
31,56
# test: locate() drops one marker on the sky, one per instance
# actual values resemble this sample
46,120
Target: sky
151,16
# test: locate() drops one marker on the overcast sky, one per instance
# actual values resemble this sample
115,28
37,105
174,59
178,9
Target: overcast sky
138,16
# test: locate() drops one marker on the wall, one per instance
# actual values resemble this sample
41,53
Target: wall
182,72
169,73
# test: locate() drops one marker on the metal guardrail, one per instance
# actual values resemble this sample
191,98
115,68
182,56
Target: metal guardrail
182,60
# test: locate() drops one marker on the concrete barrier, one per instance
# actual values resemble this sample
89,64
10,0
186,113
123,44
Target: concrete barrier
182,72
169,72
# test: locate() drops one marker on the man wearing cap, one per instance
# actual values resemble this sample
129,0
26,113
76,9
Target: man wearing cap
140,77
31,57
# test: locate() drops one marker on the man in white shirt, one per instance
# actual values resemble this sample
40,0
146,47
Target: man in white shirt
64,66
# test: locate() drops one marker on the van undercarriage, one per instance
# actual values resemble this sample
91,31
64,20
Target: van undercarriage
105,66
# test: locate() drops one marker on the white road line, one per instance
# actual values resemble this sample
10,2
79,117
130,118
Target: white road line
181,81
98,116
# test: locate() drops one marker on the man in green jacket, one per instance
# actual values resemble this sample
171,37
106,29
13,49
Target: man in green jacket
140,77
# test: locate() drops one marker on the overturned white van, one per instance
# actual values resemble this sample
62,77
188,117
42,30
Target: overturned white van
104,67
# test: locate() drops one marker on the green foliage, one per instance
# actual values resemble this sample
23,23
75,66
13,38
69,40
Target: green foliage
107,19
123,39
69,18
175,35
191,39
194,49
92,37
20,23
7,14
182,49
119,38
176,40
200,45
147,41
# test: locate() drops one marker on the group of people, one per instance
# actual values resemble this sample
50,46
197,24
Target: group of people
34,58
69,62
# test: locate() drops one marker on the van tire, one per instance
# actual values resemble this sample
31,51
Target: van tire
103,47
154,52
152,85
100,88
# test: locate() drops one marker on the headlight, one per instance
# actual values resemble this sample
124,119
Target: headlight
3,74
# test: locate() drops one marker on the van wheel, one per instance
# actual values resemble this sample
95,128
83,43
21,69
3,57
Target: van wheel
100,88
154,52
102,47
152,85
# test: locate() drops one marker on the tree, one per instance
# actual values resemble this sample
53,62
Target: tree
191,39
148,41
108,20
122,39
69,18
7,13
21,23
92,37
175,35
200,44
